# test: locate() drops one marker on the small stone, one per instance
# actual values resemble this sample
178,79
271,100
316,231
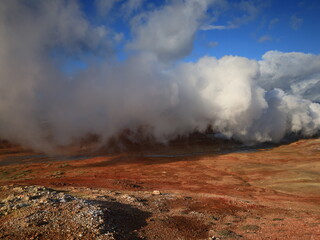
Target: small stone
5,188
17,189
10,198
21,205
41,223
26,198
156,192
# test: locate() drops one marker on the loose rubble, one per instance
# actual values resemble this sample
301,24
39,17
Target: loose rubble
34,211
84,213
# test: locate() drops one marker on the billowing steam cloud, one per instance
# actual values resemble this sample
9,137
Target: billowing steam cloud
42,107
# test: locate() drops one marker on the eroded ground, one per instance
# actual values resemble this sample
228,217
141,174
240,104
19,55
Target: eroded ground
205,193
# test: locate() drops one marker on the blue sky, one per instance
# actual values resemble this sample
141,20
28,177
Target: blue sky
280,25
243,28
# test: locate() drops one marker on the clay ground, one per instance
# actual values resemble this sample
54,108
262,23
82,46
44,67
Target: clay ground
207,192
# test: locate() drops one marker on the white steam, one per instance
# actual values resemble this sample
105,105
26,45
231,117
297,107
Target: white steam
169,32
40,107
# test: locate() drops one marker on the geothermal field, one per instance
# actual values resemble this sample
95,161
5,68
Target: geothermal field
159,120
184,191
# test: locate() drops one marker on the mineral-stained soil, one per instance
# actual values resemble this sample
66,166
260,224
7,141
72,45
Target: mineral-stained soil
184,192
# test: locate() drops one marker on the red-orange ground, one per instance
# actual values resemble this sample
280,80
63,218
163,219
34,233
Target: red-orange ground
275,190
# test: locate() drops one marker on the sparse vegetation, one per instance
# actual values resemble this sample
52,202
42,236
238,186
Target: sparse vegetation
21,174
251,228
57,174
227,233
6,174
64,165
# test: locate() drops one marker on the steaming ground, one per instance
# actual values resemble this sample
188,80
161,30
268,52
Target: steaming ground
151,93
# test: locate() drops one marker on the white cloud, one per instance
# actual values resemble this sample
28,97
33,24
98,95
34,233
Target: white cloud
215,27
105,6
294,72
250,11
273,22
296,22
243,12
213,44
265,38
118,37
169,31
131,6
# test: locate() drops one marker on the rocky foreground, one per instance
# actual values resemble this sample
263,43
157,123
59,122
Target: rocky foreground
34,212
